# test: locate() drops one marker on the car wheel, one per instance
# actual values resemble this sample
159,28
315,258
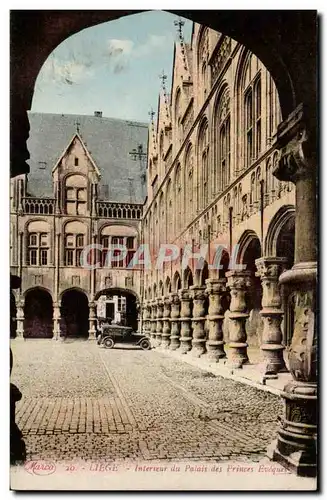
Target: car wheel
108,343
145,344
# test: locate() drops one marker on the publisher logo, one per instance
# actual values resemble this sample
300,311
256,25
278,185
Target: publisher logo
40,467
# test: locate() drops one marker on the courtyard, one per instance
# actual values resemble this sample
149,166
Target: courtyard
140,410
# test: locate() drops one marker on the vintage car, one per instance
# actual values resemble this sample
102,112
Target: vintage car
111,334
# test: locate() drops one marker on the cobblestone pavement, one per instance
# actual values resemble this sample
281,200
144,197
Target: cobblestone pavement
85,402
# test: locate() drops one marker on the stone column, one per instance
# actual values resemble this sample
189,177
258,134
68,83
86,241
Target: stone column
159,322
238,283
56,321
148,321
145,318
198,321
269,270
174,322
92,321
186,314
296,445
166,323
216,289
153,323
20,319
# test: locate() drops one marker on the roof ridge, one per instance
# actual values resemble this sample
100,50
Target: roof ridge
138,122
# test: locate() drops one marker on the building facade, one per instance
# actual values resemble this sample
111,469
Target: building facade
210,181
86,186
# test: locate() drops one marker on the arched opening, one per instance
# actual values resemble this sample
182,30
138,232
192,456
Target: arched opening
118,306
188,278
285,243
74,314
38,314
249,252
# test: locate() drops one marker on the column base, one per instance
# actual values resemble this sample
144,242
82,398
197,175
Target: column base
215,350
165,341
198,348
273,359
174,343
185,345
237,356
19,338
296,444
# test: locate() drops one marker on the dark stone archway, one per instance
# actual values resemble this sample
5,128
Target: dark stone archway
38,314
129,315
74,314
276,37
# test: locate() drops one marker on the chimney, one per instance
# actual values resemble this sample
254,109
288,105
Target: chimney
98,113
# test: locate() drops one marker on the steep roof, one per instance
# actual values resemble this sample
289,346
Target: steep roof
108,140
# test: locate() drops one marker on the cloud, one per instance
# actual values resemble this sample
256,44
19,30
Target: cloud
121,52
67,72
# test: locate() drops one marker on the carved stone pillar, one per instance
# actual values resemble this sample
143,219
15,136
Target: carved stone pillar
216,289
174,322
238,282
153,323
269,270
56,321
166,323
92,321
20,319
159,322
185,319
198,321
148,321
144,318
296,445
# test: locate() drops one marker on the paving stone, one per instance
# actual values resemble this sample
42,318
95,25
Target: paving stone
82,402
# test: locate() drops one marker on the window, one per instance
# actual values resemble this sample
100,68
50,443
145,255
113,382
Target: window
75,195
130,245
222,142
74,245
117,241
252,104
204,165
189,183
37,251
76,161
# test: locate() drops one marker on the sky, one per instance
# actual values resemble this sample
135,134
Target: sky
113,67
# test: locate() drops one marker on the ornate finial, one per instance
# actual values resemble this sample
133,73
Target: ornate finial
151,113
77,123
179,24
163,78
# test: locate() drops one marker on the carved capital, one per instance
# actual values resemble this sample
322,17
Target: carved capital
184,294
238,280
174,299
216,286
297,148
198,292
270,268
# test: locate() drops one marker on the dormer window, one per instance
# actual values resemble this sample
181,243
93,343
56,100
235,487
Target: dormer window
76,195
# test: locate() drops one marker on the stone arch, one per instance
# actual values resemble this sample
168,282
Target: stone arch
38,313
74,312
77,288
243,244
167,285
281,217
118,304
177,283
187,277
